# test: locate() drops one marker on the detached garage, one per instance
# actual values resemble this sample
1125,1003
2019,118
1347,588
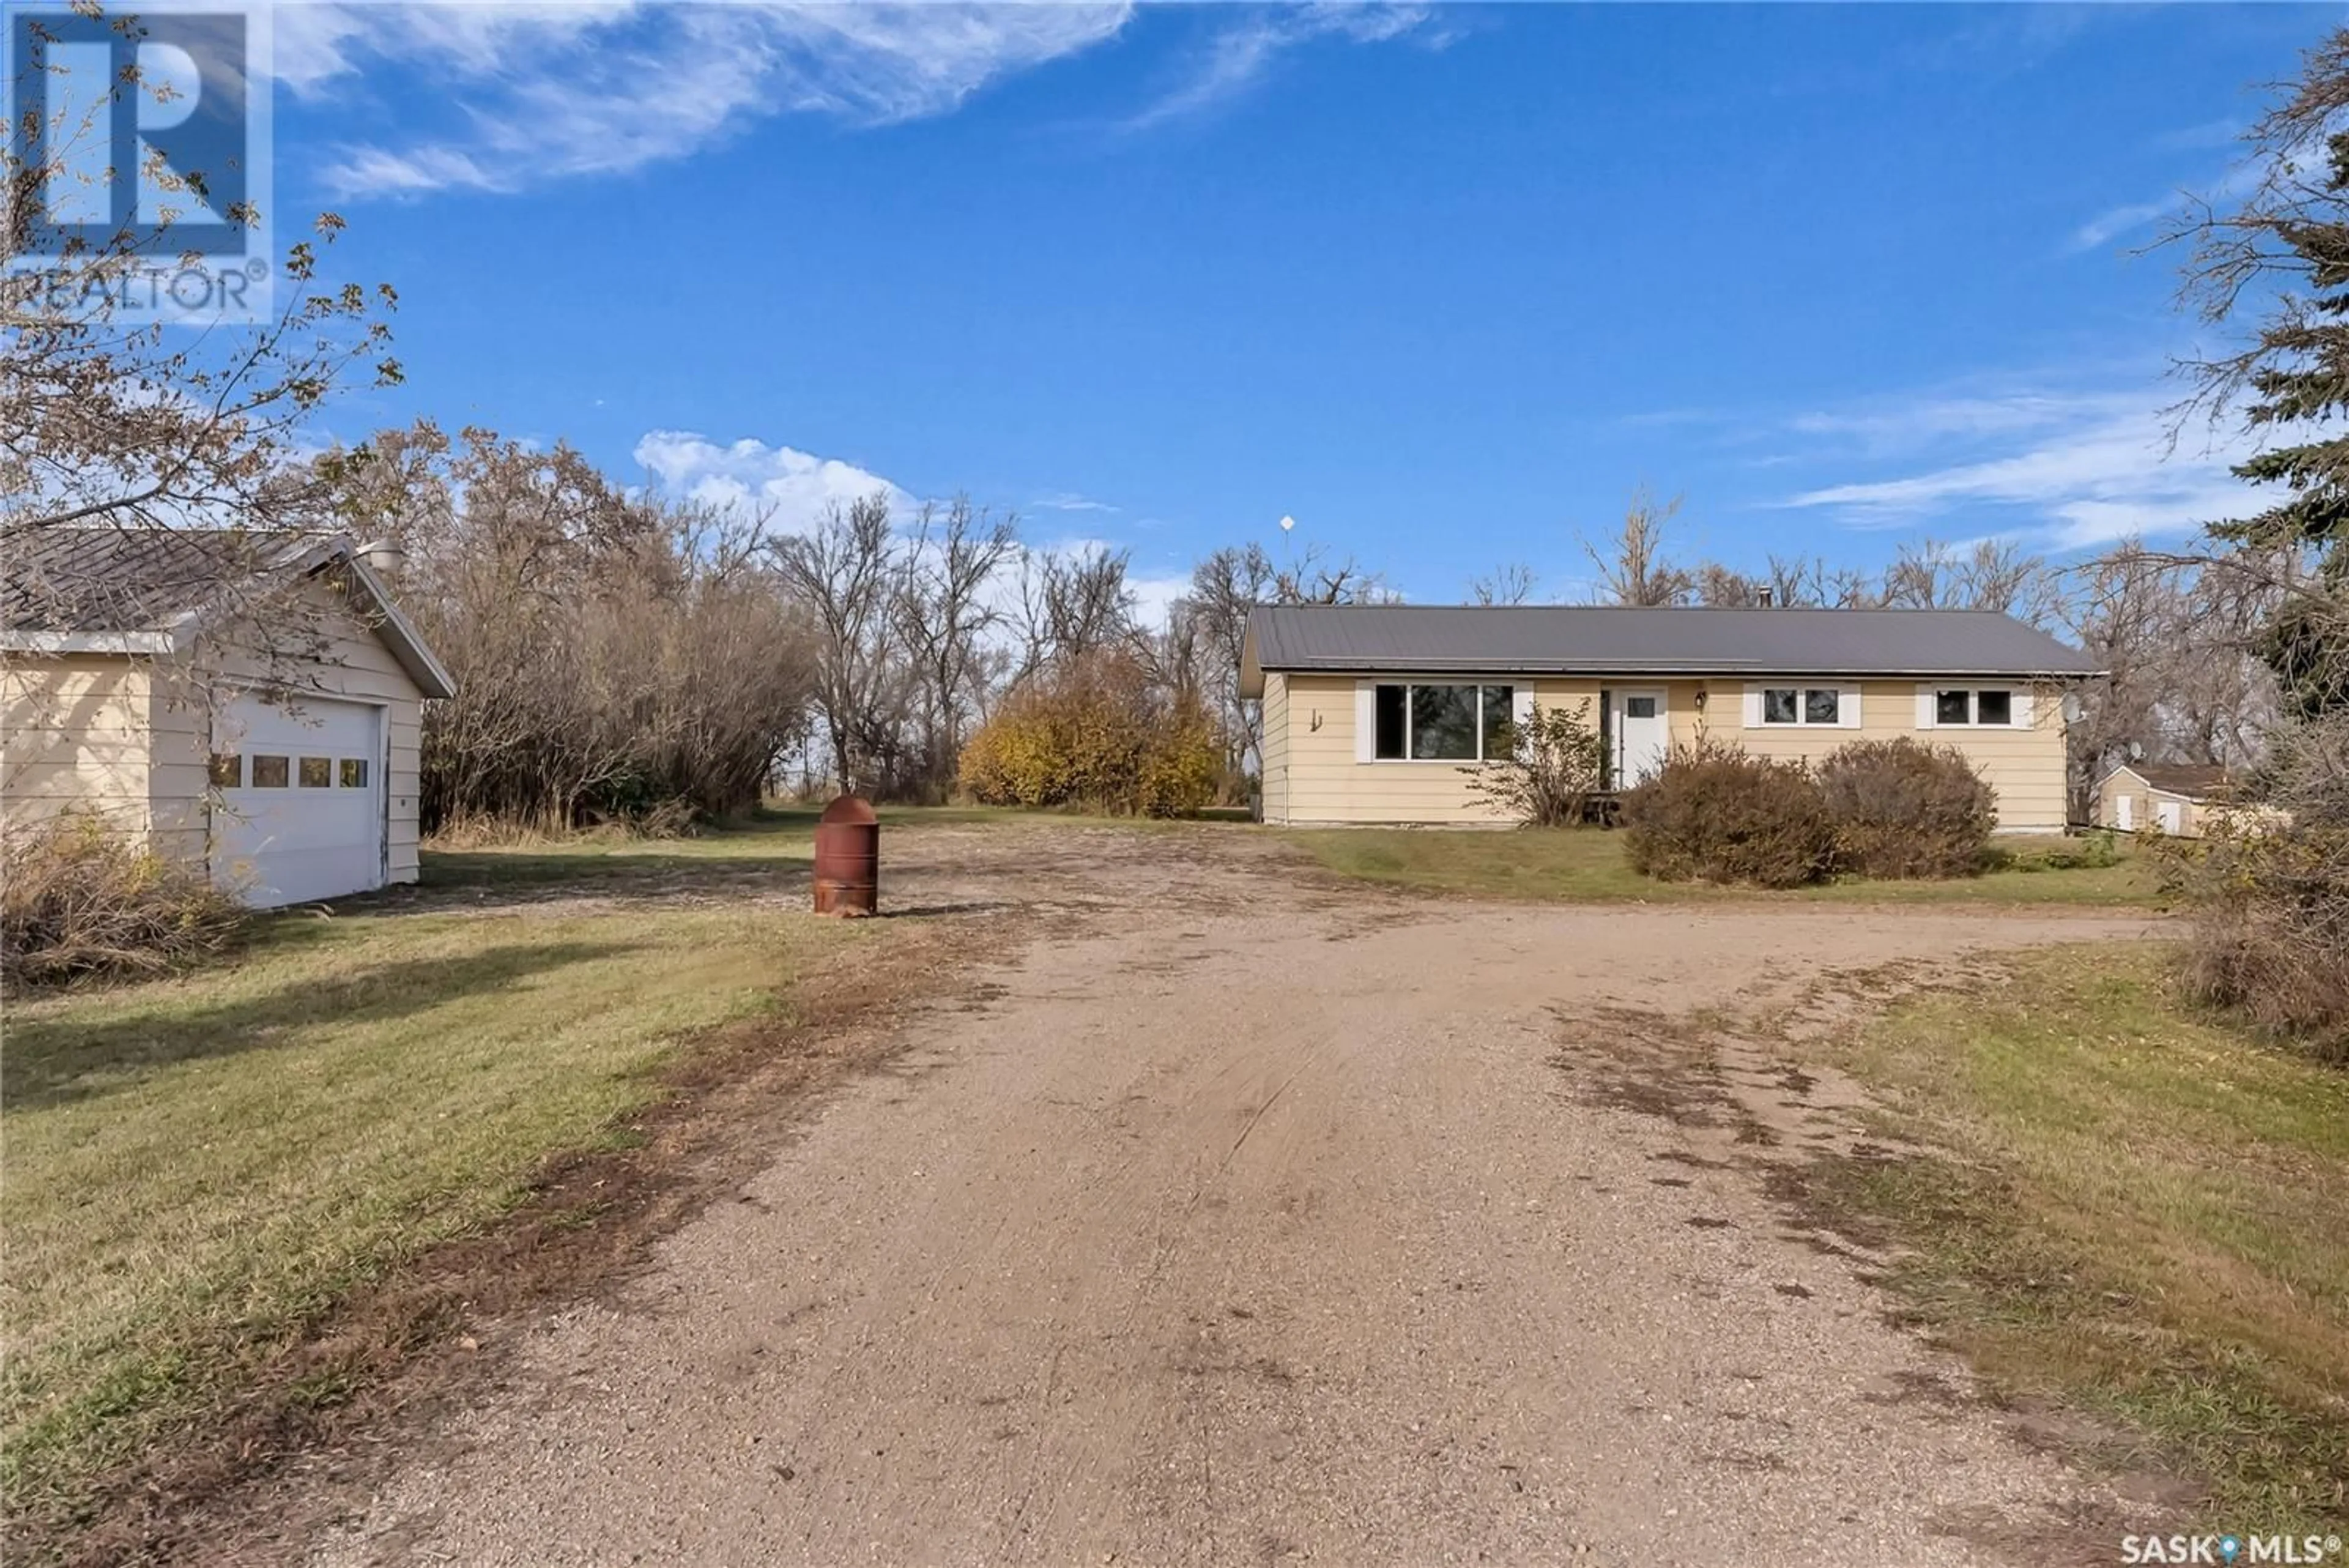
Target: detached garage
253,701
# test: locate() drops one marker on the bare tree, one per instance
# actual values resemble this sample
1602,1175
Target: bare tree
112,418
848,574
1314,577
2182,680
1509,584
615,655
1721,585
1796,582
1226,589
186,444
1924,575
946,612
1632,568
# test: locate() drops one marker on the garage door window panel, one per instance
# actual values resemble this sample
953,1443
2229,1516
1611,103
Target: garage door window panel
317,773
227,770
355,772
272,772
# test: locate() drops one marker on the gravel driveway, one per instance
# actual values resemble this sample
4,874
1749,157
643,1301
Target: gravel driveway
1249,1219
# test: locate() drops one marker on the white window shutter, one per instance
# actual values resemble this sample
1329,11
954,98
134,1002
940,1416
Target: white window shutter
1366,721
1521,703
1927,696
1847,708
2021,711
1753,707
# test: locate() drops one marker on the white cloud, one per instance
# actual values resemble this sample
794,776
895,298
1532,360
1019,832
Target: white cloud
1240,55
598,86
1069,501
2112,224
1898,426
2084,469
799,486
558,91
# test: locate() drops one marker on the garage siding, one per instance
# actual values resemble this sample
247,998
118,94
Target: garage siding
356,664
1325,784
74,734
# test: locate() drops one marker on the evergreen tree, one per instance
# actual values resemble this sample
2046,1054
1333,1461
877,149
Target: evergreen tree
2286,253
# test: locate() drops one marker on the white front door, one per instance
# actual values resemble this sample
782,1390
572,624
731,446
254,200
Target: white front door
2125,813
297,790
2170,815
1642,735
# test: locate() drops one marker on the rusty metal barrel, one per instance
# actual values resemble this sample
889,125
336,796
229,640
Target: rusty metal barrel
848,858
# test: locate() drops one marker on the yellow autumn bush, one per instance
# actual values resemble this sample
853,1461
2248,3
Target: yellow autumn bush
1097,737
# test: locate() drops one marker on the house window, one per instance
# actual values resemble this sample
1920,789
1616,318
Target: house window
317,773
1995,706
270,773
227,770
1500,720
1393,721
1802,705
1442,723
355,772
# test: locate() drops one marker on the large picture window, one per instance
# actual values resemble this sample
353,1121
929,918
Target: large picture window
1442,723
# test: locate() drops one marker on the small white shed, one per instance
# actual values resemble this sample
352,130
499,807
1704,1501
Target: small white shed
253,702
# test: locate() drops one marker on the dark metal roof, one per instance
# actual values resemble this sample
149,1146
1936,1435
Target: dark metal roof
1607,639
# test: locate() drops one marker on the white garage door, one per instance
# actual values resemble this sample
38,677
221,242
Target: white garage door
298,792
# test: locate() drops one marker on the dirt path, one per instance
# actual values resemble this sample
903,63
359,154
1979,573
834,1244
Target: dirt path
1256,1223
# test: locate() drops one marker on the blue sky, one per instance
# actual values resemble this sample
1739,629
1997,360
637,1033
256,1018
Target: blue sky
1443,283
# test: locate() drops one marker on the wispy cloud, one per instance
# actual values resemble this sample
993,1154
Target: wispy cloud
545,92
1068,501
555,91
2114,222
2067,469
1242,54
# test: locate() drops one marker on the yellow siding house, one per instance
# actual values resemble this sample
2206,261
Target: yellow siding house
1373,713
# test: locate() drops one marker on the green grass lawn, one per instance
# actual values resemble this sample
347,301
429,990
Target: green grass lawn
1587,866
198,1167
2132,1205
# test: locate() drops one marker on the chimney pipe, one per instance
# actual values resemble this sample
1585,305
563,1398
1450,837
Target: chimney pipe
1765,597
384,558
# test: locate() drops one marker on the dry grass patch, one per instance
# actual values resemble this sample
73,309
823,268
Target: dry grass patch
2132,1205
199,1169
